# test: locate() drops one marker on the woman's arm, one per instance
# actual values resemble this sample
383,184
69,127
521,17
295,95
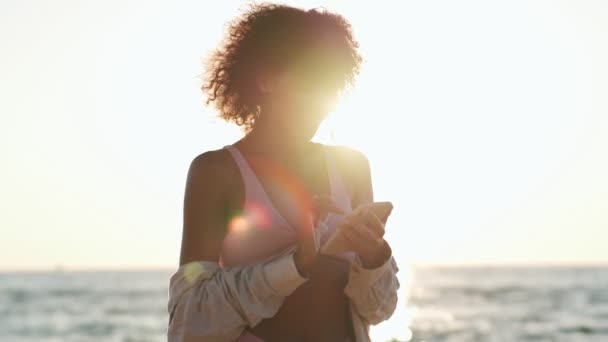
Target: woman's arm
208,302
372,284
373,292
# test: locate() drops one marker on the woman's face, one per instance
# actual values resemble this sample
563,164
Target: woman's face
299,103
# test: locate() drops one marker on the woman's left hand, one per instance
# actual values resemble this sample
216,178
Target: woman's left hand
363,232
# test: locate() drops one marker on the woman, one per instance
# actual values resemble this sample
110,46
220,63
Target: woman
257,212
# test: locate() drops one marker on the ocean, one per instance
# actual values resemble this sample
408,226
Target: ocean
435,305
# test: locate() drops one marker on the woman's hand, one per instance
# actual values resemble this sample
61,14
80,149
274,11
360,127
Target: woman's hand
321,205
362,232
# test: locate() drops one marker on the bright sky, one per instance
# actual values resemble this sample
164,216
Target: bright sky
486,124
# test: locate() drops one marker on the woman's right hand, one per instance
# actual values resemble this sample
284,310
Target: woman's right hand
323,205
307,249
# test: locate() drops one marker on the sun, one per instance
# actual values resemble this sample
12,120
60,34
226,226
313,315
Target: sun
354,122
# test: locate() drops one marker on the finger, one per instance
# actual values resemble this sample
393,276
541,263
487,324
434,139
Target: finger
322,200
373,223
334,209
373,239
329,206
362,240
358,244
323,208
328,201
369,221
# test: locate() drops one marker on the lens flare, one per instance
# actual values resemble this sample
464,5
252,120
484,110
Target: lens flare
239,224
290,184
194,270
254,215
257,215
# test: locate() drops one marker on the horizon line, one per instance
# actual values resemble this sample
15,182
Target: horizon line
413,265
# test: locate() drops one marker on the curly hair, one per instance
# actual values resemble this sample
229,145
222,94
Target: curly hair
274,37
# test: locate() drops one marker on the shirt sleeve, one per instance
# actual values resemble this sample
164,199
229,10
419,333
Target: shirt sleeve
209,303
373,292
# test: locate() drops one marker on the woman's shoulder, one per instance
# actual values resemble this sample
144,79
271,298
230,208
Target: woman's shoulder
209,161
347,157
353,166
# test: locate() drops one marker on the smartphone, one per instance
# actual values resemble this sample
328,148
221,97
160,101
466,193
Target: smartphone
382,210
